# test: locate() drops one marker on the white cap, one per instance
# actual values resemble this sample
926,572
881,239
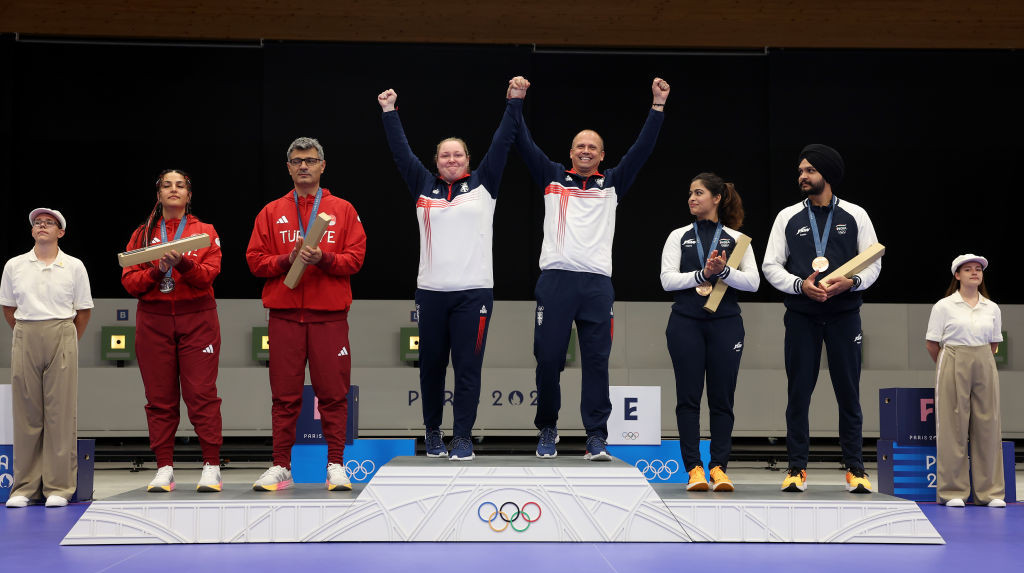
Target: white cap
968,258
47,211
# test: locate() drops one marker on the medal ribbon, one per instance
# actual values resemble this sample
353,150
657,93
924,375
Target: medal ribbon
701,256
312,214
177,236
821,240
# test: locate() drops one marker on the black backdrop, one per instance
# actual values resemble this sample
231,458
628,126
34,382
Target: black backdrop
929,138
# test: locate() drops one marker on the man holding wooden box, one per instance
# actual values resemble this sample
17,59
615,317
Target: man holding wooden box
317,240
823,234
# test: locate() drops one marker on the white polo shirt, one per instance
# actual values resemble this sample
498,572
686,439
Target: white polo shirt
955,322
43,291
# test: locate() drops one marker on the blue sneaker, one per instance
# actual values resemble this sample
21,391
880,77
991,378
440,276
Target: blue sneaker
435,444
461,449
597,450
547,438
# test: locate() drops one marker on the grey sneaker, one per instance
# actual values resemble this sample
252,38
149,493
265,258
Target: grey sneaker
275,478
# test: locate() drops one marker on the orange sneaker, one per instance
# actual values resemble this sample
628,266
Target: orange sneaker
796,480
697,480
857,481
720,481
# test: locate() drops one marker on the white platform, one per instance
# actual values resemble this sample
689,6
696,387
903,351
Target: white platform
566,499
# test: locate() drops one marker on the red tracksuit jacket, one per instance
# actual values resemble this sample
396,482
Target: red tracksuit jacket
324,286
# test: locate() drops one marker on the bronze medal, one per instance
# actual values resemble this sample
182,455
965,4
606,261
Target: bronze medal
820,264
704,289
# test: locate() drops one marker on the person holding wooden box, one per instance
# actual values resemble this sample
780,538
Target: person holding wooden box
308,294
455,284
177,330
813,236
706,344
47,301
964,331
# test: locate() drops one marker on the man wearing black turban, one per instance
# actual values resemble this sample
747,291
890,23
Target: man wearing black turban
814,236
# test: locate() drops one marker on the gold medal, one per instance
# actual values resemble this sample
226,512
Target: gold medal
704,289
820,264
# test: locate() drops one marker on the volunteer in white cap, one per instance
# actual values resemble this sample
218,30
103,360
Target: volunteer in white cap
964,331
46,300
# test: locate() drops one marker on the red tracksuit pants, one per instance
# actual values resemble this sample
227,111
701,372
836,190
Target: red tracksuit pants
326,346
178,357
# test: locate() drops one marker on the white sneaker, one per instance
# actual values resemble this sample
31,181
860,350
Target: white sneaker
275,478
955,502
56,501
164,480
17,501
337,479
210,480
997,503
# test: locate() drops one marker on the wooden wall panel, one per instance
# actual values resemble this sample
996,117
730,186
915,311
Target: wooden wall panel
956,24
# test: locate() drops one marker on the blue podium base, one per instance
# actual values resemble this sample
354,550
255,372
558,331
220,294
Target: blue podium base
363,457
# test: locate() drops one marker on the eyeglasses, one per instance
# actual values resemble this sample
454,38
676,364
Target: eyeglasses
310,161
44,223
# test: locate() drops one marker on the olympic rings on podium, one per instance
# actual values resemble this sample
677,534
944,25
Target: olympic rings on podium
359,470
509,520
657,468
630,435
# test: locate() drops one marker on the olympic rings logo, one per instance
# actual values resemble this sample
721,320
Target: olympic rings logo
630,435
360,470
657,468
499,514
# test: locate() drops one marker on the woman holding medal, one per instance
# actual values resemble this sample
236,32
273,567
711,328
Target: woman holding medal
702,344
177,332
964,331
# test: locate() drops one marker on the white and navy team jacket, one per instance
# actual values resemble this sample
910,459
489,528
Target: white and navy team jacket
456,220
681,270
579,212
787,260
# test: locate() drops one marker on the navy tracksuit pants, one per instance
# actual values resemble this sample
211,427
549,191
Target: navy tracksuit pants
841,334
562,298
709,348
452,323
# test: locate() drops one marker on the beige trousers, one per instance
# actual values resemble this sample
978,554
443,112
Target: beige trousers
44,387
967,409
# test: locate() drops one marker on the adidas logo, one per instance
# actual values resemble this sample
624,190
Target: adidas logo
483,310
208,349
568,177
155,240
282,220
344,351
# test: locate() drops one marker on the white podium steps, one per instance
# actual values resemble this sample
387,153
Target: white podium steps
822,514
503,498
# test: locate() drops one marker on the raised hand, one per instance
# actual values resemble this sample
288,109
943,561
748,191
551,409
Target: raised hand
387,99
517,87
660,89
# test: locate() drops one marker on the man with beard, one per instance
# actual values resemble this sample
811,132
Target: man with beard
815,236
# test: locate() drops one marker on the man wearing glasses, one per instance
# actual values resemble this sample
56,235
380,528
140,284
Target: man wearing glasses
46,299
309,322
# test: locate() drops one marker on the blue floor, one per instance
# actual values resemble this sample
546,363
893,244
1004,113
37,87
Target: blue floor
977,539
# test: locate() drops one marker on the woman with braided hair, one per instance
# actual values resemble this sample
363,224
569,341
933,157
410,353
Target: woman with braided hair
177,332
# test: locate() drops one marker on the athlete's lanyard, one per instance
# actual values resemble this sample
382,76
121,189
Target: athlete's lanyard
177,235
701,256
821,240
312,214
